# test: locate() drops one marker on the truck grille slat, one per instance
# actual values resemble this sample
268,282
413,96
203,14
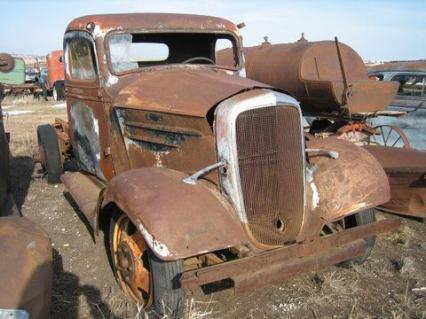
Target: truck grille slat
270,158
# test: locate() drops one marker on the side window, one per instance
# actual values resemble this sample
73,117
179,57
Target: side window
410,84
81,59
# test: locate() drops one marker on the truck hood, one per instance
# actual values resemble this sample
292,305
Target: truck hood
183,90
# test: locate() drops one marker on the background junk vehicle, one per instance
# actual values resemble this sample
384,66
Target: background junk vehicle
12,78
203,175
26,266
337,96
52,78
411,76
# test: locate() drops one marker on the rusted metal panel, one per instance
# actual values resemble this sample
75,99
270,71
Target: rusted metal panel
310,248
178,220
85,190
312,73
278,273
353,182
406,169
154,139
153,21
177,93
26,267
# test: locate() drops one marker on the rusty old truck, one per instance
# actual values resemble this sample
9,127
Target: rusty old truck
195,173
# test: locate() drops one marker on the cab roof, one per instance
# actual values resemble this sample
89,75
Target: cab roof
152,21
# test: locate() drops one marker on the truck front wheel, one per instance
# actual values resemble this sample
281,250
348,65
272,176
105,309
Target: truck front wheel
148,280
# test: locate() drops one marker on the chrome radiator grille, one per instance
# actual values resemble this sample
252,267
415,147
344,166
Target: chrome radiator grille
270,157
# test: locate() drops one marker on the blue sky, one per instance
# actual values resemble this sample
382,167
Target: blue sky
384,30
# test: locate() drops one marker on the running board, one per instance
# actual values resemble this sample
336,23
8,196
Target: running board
85,191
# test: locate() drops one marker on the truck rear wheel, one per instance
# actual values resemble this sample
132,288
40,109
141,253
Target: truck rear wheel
50,156
362,218
58,91
148,280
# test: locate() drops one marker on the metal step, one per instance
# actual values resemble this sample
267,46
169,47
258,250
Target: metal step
85,191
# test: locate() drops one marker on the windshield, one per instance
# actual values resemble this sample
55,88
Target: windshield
131,51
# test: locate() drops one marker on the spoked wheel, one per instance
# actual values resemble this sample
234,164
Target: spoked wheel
131,262
148,280
390,136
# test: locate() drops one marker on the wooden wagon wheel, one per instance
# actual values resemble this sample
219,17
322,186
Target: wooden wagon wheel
390,136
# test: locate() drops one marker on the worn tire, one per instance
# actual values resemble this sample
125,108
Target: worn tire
167,298
362,218
49,152
55,93
58,91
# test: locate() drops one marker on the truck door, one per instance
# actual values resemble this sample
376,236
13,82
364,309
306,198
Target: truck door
88,125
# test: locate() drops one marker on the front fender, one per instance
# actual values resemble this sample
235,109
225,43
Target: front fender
353,182
177,220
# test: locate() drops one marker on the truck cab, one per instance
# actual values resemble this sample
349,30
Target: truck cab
202,174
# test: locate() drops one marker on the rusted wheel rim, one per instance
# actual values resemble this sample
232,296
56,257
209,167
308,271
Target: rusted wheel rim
130,260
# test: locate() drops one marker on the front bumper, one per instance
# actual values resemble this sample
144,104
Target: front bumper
277,265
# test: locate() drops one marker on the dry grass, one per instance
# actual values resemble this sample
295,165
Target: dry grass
402,236
23,127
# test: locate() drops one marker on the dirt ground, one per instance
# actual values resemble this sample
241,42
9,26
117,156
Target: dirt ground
391,284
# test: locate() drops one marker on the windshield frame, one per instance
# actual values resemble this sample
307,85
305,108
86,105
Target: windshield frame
235,37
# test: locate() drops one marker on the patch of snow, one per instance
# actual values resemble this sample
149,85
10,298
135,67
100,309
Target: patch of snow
11,113
60,105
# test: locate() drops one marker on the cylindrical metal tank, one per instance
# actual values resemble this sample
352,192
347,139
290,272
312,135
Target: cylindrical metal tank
314,74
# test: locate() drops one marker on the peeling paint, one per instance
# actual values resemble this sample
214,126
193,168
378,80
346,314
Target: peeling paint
315,195
112,79
158,247
158,162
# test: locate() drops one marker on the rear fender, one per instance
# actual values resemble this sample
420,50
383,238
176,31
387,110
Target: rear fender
177,220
